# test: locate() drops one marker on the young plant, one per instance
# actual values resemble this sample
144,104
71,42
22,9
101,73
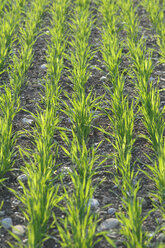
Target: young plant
8,29
82,112
78,229
157,174
28,35
8,138
132,221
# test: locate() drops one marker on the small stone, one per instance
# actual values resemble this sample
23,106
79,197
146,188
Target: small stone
112,235
25,241
44,67
16,202
145,37
27,121
109,224
103,79
151,234
161,237
2,213
111,211
65,170
151,79
22,178
7,223
95,56
93,203
103,66
18,230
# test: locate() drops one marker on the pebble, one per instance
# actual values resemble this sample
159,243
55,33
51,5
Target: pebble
65,170
44,67
103,66
151,79
27,121
18,230
111,211
109,224
112,235
145,37
2,213
22,178
7,223
16,202
103,79
93,203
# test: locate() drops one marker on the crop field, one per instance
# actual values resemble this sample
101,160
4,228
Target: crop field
82,123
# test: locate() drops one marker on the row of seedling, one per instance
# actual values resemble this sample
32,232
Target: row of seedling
148,101
78,229
21,60
11,14
41,195
156,16
122,115
8,106
10,93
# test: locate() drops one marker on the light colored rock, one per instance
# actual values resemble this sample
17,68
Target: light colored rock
93,203
111,211
145,37
16,202
151,79
112,235
109,224
27,121
22,178
18,230
103,79
65,170
44,67
7,223
2,213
